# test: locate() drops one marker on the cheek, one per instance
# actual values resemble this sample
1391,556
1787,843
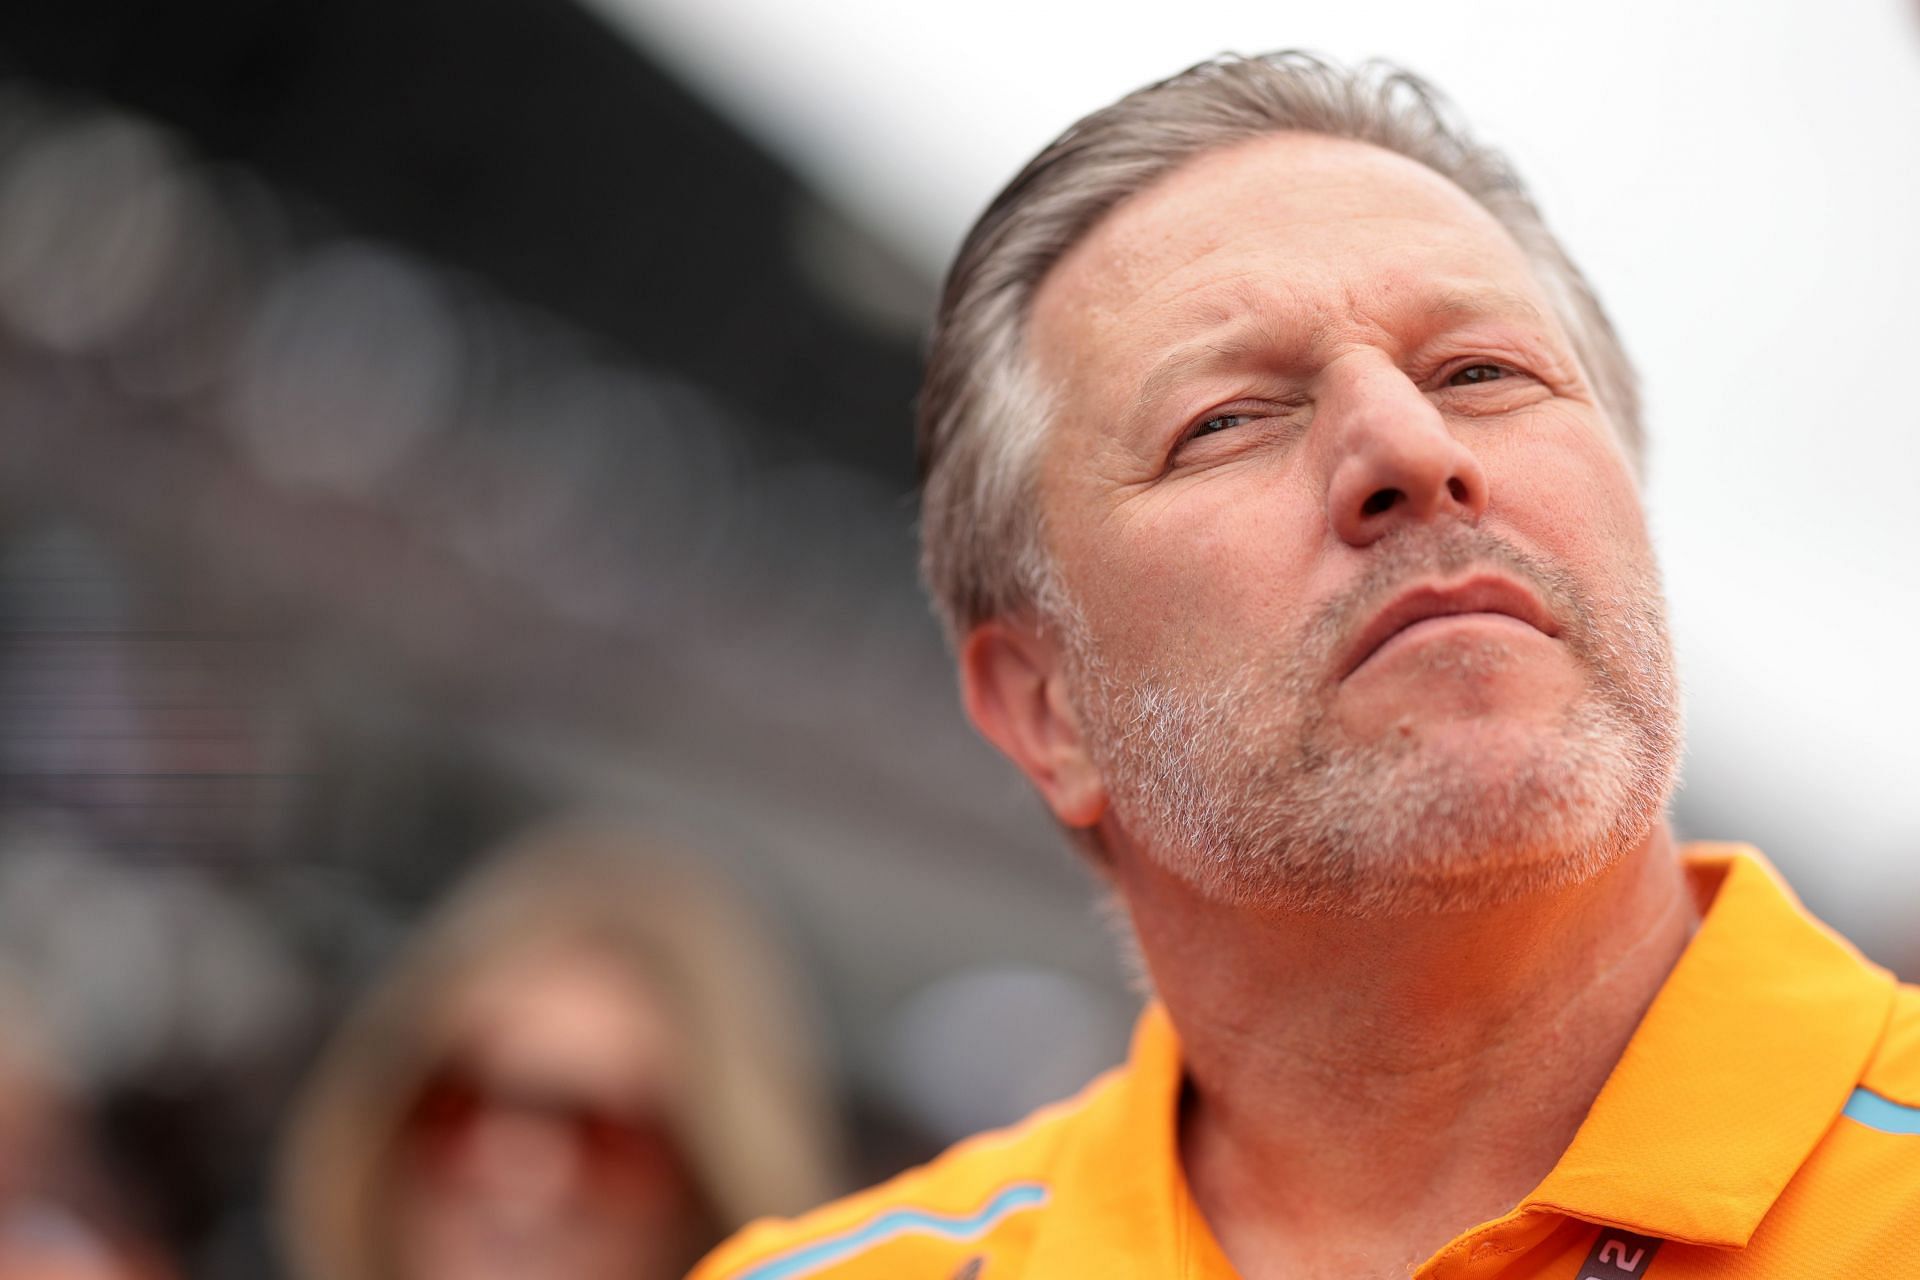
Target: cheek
1182,565
1570,493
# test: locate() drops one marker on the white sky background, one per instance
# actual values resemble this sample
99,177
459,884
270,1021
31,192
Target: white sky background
1741,182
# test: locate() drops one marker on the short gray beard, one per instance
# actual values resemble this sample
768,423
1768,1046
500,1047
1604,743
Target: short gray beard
1201,778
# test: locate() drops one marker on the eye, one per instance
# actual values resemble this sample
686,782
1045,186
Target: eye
1477,373
1222,422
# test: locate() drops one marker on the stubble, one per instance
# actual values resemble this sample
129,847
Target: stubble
1240,782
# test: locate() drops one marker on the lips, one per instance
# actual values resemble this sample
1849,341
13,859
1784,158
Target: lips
1482,593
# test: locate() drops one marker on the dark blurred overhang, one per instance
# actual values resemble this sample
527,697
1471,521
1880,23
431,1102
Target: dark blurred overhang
526,143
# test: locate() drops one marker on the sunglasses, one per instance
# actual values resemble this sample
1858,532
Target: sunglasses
616,1150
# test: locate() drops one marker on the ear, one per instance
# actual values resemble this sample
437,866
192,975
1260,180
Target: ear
1011,679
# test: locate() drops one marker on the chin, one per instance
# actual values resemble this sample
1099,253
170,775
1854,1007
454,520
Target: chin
1482,748
1452,815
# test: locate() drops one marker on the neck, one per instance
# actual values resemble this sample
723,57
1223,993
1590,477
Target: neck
1363,1090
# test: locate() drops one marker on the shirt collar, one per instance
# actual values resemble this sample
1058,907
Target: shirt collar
1746,1057
1122,1207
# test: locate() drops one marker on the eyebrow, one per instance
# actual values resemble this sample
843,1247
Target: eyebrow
1487,303
1455,304
1182,362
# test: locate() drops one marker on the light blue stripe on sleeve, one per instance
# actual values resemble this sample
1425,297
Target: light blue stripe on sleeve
1880,1113
808,1259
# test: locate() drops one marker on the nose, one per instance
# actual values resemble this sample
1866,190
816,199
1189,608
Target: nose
1394,459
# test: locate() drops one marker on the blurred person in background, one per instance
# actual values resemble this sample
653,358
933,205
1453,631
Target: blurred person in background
61,1218
1281,493
590,1065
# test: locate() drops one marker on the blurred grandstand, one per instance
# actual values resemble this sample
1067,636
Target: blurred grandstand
420,419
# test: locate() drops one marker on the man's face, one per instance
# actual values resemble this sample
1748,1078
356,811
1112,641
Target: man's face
1361,610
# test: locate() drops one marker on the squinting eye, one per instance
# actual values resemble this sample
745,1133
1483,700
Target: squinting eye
1477,373
1224,422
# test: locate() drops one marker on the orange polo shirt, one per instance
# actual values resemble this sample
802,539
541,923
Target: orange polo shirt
1763,1121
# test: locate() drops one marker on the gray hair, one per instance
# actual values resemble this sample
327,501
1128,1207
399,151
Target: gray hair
983,412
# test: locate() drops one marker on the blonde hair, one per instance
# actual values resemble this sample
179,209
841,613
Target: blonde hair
754,1127
982,412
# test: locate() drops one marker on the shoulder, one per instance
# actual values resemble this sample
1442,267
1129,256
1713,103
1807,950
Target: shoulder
1893,1074
981,1198
1851,1206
